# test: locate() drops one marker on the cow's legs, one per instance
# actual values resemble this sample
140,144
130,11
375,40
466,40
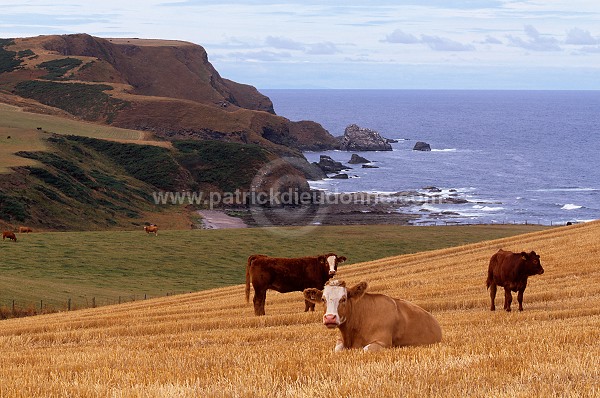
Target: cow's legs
308,306
507,299
520,299
339,345
259,302
493,288
376,346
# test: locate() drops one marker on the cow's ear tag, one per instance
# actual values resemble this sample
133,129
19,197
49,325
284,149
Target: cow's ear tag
523,258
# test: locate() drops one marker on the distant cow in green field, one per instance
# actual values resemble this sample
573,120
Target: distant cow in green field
10,235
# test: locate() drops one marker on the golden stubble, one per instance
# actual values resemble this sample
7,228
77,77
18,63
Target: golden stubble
209,344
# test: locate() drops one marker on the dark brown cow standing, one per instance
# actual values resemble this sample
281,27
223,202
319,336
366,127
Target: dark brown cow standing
10,235
373,321
288,275
510,271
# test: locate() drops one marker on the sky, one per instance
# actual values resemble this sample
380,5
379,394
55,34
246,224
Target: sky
378,44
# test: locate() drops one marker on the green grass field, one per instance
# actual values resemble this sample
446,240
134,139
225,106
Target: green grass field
50,268
22,128
11,116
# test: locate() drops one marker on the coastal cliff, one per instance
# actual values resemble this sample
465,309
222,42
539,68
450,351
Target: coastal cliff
165,87
162,118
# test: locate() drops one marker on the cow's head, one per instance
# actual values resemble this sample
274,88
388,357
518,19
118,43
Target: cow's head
336,297
331,260
533,266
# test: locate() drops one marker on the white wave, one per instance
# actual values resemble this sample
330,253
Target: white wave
431,208
444,150
571,206
488,208
563,190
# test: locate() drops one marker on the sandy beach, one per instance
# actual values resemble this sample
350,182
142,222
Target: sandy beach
217,219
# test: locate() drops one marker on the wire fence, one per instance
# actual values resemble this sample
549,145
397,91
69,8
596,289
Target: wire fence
12,308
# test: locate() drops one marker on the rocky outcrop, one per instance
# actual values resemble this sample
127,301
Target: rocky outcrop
357,159
362,139
341,176
311,136
422,146
328,165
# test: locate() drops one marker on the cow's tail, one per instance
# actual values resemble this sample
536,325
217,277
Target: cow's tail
248,277
492,266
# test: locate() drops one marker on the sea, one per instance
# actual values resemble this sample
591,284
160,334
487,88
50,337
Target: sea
509,156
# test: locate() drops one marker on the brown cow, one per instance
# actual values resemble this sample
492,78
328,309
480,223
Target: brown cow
10,235
152,228
510,271
25,230
288,275
373,321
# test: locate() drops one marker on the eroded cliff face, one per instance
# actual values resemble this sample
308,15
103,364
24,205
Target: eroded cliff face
165,87
158,68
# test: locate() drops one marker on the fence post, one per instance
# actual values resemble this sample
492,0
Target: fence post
13,307
69,304
93,302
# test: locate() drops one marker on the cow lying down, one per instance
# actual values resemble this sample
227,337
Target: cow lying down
373,321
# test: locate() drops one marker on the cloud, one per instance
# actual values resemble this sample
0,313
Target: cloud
590,49
398,36
535,41
491,40
283,43
437,43
258,56
580,36
325,48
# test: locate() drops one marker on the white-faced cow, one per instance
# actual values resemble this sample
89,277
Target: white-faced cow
288,275
510,271
373,321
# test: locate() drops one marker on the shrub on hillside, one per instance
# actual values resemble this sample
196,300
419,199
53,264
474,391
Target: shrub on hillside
25,53
150,164
58,67
8,60
227,165
86,100
12,208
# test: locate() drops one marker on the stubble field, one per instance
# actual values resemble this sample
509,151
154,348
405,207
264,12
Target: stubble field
209,344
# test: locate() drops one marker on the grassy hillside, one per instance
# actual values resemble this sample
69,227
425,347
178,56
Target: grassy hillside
71,185
14,117
19,132
103,178
53,267
210,343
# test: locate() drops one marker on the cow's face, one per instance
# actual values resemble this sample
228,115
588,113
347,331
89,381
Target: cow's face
335,296
332,261
532,262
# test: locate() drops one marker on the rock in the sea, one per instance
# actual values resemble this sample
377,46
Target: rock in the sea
369,166
422,146
356,159
361,139
341,176
328,165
